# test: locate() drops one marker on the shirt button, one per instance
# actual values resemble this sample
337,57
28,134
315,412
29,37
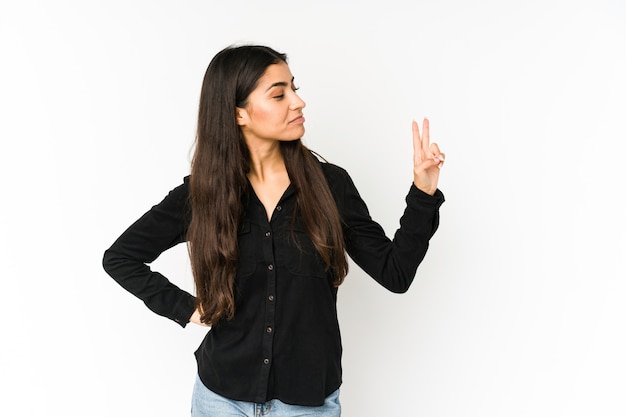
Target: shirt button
278,208
269,330
270,267
266,361
271,298
268,234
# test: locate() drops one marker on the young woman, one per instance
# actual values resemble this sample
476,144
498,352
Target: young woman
268,226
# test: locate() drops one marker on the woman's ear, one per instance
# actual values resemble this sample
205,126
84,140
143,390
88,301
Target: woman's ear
242,116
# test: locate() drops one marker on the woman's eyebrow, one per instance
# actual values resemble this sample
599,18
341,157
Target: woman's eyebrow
280,84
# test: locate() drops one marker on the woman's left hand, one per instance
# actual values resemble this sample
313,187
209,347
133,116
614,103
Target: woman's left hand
427,159
196,318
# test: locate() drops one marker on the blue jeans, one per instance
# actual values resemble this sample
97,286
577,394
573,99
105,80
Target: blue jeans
206,403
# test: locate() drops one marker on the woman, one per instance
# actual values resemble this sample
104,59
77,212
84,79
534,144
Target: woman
268,226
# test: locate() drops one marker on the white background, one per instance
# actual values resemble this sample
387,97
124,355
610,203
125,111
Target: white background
518,308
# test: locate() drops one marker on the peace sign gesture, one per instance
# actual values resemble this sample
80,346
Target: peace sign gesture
427,159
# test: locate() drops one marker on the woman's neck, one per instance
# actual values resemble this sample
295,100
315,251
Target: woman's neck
266,163
268,176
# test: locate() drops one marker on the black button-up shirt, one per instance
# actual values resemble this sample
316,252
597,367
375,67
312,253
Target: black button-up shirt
284,340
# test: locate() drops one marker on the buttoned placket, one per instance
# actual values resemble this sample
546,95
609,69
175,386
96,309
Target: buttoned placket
270,301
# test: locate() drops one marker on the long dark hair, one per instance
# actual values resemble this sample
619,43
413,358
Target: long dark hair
218,181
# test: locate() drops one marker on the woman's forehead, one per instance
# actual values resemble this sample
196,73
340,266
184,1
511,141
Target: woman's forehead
276,75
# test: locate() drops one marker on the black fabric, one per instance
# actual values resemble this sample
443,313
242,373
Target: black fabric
284,341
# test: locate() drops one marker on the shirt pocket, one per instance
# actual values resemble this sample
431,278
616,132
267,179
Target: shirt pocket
301,257
247,249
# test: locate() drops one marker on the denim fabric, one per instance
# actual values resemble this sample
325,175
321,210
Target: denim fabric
206,403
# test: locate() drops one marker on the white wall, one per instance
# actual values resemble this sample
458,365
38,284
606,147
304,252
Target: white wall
518,308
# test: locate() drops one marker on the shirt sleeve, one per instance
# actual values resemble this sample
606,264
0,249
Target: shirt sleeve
393,262
127,260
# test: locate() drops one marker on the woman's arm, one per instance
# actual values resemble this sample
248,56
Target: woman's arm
393,262
127,260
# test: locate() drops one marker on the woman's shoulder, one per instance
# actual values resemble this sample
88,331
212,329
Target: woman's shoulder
182,189
332,169
332,172
338,179
178,196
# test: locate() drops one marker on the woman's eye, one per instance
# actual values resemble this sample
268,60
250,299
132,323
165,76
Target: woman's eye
281,96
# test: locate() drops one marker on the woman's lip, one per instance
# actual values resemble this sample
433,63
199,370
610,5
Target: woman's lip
299,119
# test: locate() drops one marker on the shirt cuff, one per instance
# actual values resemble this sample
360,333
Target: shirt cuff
184,310
419,196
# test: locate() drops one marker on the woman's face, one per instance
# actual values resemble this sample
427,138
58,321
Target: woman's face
274,110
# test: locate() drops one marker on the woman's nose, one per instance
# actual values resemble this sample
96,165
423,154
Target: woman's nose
297,102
